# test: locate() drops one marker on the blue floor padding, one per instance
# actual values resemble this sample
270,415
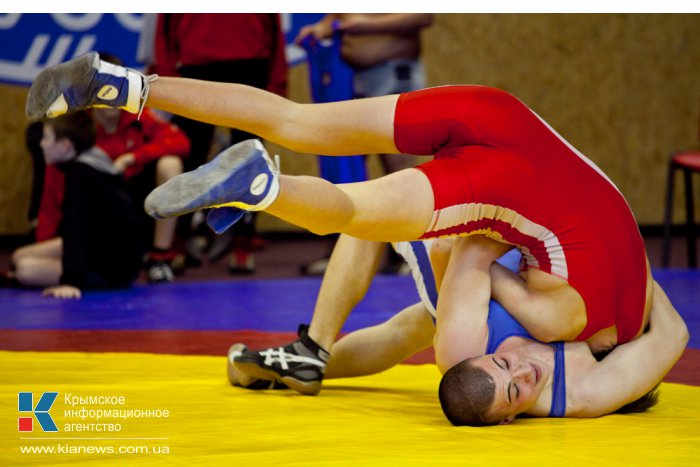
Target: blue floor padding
276,305
683,288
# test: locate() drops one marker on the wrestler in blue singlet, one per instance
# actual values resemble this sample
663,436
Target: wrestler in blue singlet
501,324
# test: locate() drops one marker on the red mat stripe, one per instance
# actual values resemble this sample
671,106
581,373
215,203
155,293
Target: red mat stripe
686,371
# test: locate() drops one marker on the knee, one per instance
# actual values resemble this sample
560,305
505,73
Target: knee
168,167
416,323
22,253
25,270
440,249
16,257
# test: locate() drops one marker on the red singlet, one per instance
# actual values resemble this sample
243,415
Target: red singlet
499,167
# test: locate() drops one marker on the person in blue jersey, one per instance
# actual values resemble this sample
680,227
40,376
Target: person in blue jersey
498,371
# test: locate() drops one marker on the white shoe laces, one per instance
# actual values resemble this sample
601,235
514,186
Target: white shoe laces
146,80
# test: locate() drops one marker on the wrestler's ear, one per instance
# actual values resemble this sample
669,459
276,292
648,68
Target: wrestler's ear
507,420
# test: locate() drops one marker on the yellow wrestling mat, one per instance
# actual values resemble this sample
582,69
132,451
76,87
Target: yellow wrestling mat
389,419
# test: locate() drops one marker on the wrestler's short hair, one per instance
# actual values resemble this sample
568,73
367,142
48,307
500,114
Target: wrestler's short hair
466,394
644,403
77,127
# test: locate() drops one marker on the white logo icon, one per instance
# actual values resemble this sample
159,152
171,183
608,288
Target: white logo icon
259,184
108,92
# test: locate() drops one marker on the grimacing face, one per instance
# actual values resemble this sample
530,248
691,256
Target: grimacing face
519,379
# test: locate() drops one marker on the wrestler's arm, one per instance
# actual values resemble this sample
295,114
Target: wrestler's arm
360,126
634,368
461,329
543,314
511,292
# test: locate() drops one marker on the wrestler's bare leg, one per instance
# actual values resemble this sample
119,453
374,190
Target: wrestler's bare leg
393,208
39,264
396,207
400,206
370,350
363,126
378,348
351,269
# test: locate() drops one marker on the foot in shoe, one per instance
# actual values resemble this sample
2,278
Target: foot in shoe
238,378
242,176
300,365
85,82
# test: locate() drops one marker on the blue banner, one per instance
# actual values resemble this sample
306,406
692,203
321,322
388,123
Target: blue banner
32,41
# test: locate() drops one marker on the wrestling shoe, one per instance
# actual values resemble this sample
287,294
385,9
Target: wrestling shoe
159,272
241,261
242,176
221,219
85,82
300,365
238,378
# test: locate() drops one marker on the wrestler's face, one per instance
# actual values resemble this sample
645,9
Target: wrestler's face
519,379
56,150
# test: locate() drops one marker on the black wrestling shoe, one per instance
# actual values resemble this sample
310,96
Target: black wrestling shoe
237,378
300,365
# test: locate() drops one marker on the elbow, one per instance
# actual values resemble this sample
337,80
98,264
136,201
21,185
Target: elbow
447,354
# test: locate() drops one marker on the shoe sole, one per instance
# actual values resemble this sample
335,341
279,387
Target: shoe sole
204,187
230,370
308,388
46,88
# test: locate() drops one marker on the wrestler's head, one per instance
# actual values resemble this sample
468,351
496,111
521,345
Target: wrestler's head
67,136
491,389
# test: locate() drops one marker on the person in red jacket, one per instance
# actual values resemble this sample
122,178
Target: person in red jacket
234,48
146,151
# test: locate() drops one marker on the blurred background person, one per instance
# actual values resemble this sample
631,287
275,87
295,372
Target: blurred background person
100,243
235,48
383,51
147,151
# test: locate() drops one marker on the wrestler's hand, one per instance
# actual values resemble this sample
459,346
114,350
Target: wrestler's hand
62,291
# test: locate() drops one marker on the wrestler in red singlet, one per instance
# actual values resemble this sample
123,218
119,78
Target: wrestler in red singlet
498,167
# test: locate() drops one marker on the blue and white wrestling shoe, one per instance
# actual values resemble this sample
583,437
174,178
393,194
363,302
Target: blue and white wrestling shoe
85,82
242,176
220,219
